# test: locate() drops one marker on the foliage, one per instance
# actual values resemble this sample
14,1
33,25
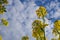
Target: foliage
0,37
53,39
56,29
3,2
2,6
38,23
2,9
38,29
37,32
25,38
57,25
4,22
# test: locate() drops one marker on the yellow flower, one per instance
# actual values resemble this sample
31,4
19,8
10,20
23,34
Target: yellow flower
57,25
0,37
41,12
4,22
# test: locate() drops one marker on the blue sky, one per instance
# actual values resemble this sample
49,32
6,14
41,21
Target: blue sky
20,15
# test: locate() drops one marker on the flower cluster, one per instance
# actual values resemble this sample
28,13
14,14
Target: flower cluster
41,12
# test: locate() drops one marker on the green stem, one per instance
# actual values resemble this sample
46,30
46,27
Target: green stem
44,35
43,28
43,22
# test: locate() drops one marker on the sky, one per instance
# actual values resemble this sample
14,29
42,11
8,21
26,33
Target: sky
20,15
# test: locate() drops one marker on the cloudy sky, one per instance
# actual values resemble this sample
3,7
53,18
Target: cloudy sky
20,15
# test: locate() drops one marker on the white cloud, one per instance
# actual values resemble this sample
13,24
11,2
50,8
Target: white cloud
17,15
57,13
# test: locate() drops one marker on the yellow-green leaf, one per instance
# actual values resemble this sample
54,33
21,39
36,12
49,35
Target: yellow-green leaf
4,22
25,38
0,37
57,25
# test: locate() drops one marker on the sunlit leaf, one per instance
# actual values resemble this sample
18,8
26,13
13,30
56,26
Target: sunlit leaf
55,32
41,12
57,25
38,29
36,32
53,39
38,23
2,9
0,37
4,22
56,29
42,38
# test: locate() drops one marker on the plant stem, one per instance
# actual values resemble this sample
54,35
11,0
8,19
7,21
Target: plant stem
44,35
44,23
43,28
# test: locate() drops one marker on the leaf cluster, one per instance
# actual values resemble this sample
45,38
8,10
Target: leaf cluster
25,38
4,22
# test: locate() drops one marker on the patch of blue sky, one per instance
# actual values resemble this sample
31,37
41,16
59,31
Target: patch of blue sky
25,1
58,0
42,2
22,1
